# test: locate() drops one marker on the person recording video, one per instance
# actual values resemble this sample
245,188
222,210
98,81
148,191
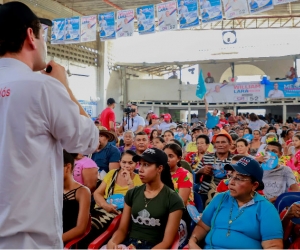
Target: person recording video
132,121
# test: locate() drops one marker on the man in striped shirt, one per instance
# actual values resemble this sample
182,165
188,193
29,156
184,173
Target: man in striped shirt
212,165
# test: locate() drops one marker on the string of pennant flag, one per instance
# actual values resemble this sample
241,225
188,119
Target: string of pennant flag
170,15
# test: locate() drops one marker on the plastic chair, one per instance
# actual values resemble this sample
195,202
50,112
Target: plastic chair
198,202
103,238
74,242
175,244
286,199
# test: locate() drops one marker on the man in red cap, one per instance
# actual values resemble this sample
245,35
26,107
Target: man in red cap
167,123
209,78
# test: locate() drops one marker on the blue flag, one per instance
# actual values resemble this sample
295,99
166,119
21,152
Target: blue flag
201,86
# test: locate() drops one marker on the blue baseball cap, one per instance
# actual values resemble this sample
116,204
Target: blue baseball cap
248,166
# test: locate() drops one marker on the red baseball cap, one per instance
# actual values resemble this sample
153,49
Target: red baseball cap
154,116
167,117
147,131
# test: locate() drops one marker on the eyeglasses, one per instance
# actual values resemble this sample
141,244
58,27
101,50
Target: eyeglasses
238,180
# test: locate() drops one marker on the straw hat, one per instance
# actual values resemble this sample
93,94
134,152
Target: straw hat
103,131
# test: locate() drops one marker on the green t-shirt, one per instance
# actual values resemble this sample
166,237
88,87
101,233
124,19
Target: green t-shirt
149,223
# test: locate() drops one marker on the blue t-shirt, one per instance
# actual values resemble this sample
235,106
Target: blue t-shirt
211,121
259,222
106,155
253,5
296,120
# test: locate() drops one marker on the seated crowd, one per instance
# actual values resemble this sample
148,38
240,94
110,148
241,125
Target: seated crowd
238,168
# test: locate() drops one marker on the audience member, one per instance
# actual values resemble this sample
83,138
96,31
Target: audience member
107,117
128,142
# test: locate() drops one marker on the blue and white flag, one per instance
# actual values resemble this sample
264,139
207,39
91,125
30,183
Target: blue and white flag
58,31
125,23
167,16
211,10
107,26
201,86
72,30
257,6
88,28
188,13
145,19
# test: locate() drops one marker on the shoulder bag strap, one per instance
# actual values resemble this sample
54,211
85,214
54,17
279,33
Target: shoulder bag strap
112,184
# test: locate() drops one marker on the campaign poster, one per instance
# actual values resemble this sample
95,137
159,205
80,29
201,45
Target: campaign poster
107,25
277,2
257,6
211,11
89,107
188,13
281,89
235,8
45,35
72,30
58,31
145,19
167,16
240,92
88,28
125,23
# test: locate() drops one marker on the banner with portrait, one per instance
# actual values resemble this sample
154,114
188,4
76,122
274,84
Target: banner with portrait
125,23
211,10
235,8
88,28
167,16
257,6
72,30
107,26
188,13
145,19
240,92
89,107
281,89
58,31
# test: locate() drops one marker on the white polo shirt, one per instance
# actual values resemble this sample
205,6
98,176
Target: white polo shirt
134,123
38,119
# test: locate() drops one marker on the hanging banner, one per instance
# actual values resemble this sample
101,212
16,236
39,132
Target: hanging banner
125,23
211,11
235,8
89,107
240,92
277,2
167,16
72,30
145,19
58,31
88,28
107,25
257,6
45,35
188,13
282,89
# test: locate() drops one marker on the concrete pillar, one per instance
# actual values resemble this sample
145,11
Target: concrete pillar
234,109
189,114
284,113
102,75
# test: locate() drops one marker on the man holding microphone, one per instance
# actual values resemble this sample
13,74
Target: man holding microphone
39,118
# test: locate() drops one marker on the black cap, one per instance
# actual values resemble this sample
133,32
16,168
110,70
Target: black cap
152,155
216,127
197,128
110,101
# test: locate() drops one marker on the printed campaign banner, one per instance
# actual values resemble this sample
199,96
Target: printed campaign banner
58,31
188,13
88,28
235,8
167,16
89,107
45,35
107,26
145,16
125,23
211,10
257,6
240,92
72,30
277,2
281,89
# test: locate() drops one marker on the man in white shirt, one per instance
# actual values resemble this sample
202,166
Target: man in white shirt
169,20
69,26
126,27
135,123
102,22
141,16
182,9
275,93
39,118
205,4
167,123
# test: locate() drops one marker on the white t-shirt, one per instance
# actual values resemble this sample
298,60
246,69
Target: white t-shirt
206,5
127,27
141,17
183,9
256,125
170,20
103,23
275,94
166,126
134,123
38,120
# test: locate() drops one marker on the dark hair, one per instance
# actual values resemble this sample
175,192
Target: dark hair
243,140
297,135
169,131
234,136
176,149
257,130
253,117
165,176
141,133
205,137
285,133
160,139
217,110
237,157
249,129
176,142
13,41
151,134
271,128
276,144
68,158
128,152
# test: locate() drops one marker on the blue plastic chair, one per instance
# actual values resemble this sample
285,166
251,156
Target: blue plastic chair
286,199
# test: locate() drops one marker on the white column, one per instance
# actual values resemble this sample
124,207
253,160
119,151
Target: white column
234,110
284,113
189,114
